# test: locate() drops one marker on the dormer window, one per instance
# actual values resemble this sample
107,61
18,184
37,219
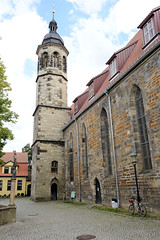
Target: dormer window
112,67
76,106
6,170
148,31
91,90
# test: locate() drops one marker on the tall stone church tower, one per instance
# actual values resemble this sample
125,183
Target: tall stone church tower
50,115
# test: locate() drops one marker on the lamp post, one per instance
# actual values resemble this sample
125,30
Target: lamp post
133,156
13,180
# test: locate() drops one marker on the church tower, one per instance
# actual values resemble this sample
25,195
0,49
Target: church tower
50,116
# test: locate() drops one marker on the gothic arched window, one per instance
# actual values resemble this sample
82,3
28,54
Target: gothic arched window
54,167
56,59
105,140
45,60
84,151
71,160
141,119
64,64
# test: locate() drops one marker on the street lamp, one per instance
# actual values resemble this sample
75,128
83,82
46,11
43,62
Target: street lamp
133,156
13,180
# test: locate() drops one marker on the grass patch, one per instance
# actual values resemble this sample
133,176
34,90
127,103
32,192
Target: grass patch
75,203
109,209
123,211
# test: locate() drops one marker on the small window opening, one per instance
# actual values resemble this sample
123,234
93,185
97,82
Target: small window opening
54,167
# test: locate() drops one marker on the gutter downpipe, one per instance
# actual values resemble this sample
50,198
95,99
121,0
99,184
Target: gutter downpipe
113,144
79,177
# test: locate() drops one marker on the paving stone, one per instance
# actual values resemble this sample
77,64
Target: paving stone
55,220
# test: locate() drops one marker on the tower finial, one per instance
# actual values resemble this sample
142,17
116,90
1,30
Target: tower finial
53,12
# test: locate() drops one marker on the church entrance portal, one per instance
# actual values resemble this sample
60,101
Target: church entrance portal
98,192
54,191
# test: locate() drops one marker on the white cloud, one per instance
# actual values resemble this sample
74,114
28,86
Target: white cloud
88,6
127,15
20,36
16,7
93,40
91,43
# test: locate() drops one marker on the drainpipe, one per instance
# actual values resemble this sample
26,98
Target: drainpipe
79,177
113,145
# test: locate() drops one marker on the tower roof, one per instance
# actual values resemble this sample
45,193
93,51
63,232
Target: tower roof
53,36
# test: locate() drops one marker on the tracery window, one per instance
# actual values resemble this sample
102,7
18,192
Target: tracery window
64,64
56,59
84,151
45,60
54,167
143,133
105,140
71,160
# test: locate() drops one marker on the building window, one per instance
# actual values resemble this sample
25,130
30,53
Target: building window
9,185
64,64
112,67
71,160
19,185
148,31
76,106
105,141
56,59
142,130
1,185
91,90
45,60
6,170
54,167
84,151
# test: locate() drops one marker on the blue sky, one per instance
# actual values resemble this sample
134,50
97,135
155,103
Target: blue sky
92,31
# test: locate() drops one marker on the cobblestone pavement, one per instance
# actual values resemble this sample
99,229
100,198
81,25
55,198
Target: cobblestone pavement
58,221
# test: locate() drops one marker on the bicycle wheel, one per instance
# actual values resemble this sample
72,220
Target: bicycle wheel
131,209
142,211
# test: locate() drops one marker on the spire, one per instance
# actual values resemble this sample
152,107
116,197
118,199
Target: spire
53,25
53,36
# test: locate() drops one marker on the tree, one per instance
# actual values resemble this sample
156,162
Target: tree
6,115
27,148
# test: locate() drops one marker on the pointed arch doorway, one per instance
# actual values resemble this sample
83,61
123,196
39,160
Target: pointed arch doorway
54,189
98,192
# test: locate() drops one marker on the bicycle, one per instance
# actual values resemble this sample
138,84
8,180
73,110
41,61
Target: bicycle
141,208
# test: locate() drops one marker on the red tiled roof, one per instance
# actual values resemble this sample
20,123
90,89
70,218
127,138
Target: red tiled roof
22,163
128,56
21,157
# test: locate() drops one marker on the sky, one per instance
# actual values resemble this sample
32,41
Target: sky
92,31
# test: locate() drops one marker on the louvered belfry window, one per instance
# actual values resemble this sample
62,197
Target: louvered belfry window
143,130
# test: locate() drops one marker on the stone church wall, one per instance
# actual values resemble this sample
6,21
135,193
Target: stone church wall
147,77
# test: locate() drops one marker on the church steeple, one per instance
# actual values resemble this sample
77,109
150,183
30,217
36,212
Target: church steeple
53,36
53,24
50,116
